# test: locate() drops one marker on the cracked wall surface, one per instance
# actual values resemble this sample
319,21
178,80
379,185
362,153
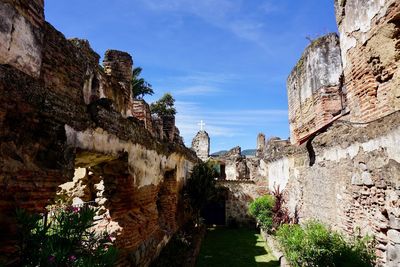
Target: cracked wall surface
314,89
353,184
346,174
370,44
67,125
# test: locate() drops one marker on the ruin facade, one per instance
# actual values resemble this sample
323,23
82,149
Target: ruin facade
342,166
314,88
244,180
66,119
201,145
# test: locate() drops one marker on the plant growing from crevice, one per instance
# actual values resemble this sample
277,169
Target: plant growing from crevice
66,238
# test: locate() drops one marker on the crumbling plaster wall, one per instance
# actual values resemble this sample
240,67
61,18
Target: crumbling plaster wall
20,35
353,185
369,37
236,165
347,175
61,111
314,90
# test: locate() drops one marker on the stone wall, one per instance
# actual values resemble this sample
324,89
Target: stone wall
244,181
118,66
20,34
346,174
369,37
240,194
141,110
201,145
353,183
65,120
314,89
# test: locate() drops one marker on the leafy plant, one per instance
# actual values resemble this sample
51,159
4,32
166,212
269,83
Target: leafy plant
316,245
164,106
140,87
200,187
261,209
279,211
64,239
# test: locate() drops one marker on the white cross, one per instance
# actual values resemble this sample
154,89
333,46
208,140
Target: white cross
201,124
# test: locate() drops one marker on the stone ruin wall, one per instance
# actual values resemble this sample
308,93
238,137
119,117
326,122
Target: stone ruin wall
370,45
354,183
240,194
245,181
348,175
64,120
314,89
201,145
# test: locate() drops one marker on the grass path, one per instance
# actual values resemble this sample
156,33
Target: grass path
235,248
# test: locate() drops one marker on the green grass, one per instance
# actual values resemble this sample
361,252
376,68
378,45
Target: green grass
235,248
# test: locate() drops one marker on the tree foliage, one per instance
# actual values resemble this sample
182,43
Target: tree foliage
140,87
164,106
200,187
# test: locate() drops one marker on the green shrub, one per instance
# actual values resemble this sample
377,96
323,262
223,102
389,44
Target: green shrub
316,245
200,187
261,209
65,239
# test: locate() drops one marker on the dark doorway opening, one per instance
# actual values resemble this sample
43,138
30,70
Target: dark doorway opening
214,213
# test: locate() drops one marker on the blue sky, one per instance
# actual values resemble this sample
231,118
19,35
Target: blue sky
225,61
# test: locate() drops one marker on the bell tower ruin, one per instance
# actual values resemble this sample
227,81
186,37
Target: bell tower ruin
201,143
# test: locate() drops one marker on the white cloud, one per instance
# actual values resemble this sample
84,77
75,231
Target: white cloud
224,14
197,91
206,78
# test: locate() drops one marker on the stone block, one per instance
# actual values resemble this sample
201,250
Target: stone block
21,42
394,222
393,255
394,236
201,145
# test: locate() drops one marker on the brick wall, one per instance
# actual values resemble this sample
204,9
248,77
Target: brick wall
141,110
61,111
118,68
370,36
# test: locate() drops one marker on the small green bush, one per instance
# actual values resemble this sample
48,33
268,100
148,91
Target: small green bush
316,245
261,209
